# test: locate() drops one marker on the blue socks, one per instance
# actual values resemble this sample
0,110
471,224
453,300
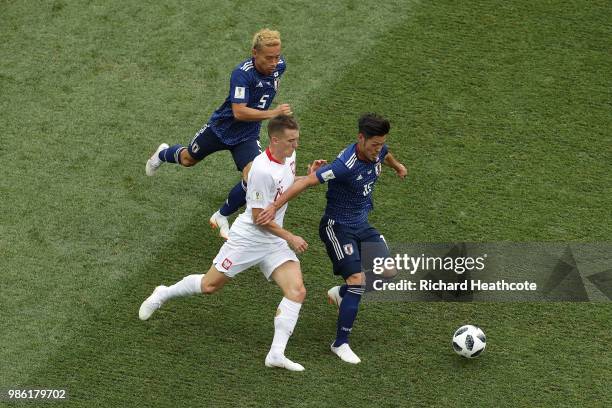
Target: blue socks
235,199
171,154
348,312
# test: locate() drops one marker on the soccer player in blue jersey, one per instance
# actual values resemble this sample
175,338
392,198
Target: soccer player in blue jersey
344,227
235,125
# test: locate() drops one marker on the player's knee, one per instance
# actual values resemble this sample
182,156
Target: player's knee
296,293
208,288
301,293
355,279
186,159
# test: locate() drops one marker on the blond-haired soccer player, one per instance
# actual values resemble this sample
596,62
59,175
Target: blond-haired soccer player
269,246
235,125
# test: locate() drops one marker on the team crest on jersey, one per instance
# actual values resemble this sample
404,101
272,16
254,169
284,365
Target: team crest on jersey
276,83
378,168
292,165
226,264
348,249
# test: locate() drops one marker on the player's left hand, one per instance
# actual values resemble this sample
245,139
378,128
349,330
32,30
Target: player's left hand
315,165
298,244
401,171
266,215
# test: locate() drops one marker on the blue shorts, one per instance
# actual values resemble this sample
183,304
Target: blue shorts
345,246
206,142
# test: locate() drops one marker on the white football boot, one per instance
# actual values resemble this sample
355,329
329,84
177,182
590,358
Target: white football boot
151,304
219,221
333,296
282,362
154,162
345,353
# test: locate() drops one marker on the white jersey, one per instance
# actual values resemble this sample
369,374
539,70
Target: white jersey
267,180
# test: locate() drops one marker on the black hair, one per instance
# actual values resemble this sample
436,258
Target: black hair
372,124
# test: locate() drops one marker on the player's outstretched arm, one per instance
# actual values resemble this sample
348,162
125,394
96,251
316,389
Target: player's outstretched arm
243,113
314,166
296,188
297,243
399,168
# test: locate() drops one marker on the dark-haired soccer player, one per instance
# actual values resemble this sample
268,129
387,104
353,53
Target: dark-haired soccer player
235,125
344,226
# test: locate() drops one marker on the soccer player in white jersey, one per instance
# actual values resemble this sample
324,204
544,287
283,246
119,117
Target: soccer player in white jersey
269,246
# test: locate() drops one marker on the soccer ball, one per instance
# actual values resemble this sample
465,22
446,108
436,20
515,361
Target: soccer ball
469,341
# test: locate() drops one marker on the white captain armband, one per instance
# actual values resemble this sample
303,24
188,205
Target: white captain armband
328,175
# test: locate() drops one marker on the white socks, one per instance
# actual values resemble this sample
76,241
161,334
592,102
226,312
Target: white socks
189,285
284,323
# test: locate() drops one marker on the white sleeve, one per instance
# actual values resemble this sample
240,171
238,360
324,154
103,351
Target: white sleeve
260,188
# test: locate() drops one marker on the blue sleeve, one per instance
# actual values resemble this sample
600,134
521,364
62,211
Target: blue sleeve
383,153
282,66
337,170
239,86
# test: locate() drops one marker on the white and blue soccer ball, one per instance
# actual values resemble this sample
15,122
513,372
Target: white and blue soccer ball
469,341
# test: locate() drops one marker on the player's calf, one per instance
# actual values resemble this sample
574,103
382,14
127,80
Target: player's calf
186,159
213,281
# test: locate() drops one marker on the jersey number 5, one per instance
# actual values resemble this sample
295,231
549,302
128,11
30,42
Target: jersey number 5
263,101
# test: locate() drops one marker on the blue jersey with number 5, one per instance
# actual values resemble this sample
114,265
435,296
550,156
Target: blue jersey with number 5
350,186
248,86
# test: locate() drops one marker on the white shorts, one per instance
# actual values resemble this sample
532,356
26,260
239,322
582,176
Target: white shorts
237,254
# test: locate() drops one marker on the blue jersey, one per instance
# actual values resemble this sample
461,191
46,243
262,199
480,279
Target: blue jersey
350,186
248,86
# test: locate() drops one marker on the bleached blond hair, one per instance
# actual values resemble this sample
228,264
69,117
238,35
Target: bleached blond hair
266,38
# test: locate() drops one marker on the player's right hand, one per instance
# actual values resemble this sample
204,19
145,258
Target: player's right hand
283,109
316,165
298,244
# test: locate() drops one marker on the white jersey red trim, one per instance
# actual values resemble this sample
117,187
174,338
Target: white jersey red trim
268,179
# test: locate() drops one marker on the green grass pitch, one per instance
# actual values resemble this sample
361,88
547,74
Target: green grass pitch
500,110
